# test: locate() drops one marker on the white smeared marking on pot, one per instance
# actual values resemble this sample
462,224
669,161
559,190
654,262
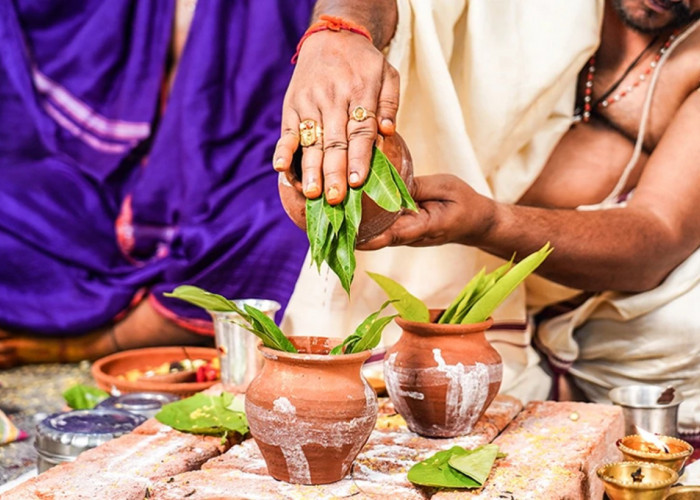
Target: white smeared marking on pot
467,391
282,426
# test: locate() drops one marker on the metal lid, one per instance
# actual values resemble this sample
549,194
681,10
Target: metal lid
141,403
69,434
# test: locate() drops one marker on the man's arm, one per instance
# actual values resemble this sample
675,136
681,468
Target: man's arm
626,249
335,72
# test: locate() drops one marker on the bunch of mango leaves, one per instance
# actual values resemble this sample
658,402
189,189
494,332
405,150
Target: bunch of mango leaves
456,467
332,229
365,337
477,300
206,414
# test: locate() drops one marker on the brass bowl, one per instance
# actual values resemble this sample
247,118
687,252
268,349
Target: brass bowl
632,449
684,493
654,483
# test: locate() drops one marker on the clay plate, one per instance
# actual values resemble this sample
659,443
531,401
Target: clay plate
105,370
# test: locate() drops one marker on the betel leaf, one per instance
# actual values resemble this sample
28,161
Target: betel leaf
435,471
204,414
456,467
483,308
84,397
409,306
202,298
476,463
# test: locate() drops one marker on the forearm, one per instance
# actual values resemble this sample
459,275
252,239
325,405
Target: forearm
621,249
378,16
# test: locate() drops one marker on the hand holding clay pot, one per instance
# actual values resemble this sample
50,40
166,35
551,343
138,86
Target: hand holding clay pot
442,377
375,220
309,412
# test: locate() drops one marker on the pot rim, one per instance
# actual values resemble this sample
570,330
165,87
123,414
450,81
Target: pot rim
335,359
431,328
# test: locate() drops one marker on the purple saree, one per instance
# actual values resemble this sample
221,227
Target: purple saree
101,198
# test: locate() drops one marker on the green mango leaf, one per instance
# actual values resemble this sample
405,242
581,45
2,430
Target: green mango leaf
274,339
483,308
371,337
460,302
406,198
335,214
476,463
202,298
408,306
352,206
341,259
435,471
380,185
252,319
317,229
204,414
84,397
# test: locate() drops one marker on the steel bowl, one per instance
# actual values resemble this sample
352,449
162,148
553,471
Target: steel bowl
640,409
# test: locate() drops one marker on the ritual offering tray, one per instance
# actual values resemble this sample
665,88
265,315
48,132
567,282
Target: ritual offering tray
111,371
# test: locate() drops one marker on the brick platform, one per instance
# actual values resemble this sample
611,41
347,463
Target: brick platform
553,449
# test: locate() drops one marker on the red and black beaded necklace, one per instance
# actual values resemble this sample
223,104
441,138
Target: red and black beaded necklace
607,98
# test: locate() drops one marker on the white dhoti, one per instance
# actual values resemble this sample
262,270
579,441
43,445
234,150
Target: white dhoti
487,91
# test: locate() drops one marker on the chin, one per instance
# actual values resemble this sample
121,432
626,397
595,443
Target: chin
641,16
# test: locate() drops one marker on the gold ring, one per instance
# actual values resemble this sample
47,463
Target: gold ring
309,133
360,114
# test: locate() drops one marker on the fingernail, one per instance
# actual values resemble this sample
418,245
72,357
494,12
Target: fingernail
332,193
311,187
387,123
354,177
278,164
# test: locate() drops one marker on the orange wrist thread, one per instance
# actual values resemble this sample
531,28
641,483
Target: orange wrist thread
331,23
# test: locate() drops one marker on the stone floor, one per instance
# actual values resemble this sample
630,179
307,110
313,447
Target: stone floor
27,395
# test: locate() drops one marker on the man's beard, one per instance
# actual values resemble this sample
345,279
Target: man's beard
680,12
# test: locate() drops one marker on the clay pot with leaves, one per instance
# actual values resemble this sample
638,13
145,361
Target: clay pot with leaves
442,373
310,409
366,211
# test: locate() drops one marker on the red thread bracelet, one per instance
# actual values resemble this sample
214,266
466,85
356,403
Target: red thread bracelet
331,23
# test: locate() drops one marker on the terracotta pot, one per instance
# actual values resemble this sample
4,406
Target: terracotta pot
310,413
441,378
375,220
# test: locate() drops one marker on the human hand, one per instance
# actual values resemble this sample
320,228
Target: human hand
449,212
336,72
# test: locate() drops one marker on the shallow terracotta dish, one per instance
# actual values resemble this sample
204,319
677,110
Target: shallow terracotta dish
106,370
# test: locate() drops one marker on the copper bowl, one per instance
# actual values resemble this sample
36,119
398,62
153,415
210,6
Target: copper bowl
653,480
106,370
375,220
635,447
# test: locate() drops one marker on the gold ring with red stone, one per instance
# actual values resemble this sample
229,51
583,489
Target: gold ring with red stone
310,133
360,114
